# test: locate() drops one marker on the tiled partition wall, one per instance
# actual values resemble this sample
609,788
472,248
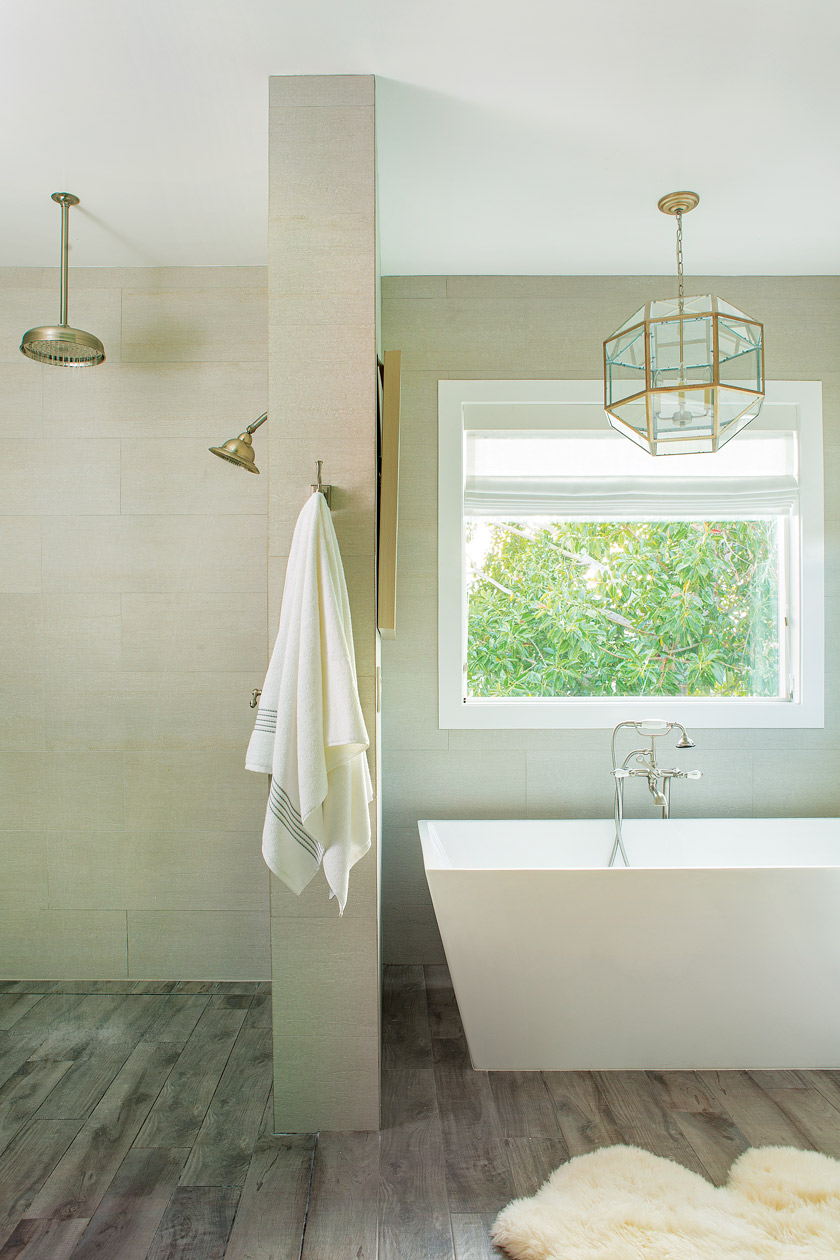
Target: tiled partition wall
322,403
553,326
133,627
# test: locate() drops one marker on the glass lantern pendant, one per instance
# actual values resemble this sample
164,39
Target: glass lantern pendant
683,375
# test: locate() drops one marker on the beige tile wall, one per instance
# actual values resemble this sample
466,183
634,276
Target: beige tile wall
322,400
533,326
133,626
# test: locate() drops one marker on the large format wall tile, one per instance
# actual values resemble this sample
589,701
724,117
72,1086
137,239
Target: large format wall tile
20,547
157,870
193,790
63,945
154,554
23,861
57,477
93,709
203,945
140,627
183,326
171,476
207,402
206,632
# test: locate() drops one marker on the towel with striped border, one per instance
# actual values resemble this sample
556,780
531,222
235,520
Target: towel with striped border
309,733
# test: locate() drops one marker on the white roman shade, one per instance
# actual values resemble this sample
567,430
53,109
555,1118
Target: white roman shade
586,476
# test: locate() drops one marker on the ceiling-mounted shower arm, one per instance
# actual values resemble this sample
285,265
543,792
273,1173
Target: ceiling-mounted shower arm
65,200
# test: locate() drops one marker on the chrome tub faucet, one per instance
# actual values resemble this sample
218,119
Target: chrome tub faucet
641,763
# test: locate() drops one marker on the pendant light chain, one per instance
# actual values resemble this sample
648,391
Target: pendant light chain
681,291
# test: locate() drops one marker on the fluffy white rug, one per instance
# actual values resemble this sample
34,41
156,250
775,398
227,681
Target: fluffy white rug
622,1203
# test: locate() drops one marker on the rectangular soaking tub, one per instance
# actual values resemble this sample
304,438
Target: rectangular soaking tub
718,948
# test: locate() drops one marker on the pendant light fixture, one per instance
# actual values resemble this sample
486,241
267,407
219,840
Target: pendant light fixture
683,375
59,344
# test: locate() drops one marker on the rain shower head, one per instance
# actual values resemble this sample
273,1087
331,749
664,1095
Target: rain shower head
239,450
59,344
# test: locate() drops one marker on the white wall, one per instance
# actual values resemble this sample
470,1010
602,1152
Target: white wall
554,326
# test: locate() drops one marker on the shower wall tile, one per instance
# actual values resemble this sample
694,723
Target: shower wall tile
82,789
207,402
145,614
195,633
170,477
121,710
20,547
193,791
62,478
320,90
23,861
21,632
186,871
20,390
72,788
95,310
154,554
81,631
190,278
320,254
318,162
193,326
205,945
63,944
22,709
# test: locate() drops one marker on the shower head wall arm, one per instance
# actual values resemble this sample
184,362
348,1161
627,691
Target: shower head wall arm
65,200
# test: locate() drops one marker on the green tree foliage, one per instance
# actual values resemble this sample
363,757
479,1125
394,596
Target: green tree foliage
623,608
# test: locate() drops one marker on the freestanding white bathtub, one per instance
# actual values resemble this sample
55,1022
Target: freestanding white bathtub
719,948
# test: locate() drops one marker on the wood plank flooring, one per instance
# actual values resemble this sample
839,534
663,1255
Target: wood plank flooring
136,1124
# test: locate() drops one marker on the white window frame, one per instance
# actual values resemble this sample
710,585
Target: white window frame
471,405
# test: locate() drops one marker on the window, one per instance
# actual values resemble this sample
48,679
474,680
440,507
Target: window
580,578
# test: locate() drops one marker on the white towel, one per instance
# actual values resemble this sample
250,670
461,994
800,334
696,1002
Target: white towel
310,735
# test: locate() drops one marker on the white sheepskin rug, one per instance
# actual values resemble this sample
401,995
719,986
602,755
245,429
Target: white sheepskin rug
622,1203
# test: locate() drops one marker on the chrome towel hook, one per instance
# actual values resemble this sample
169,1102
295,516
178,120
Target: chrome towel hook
318,487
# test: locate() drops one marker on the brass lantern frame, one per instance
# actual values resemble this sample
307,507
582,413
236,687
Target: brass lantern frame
714,385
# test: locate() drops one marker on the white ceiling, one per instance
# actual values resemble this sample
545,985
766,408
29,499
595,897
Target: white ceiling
515,136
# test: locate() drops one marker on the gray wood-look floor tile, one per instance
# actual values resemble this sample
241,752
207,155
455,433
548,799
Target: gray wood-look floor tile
126,1221
153,1139
585,1120
272,1208
756,1115
43,1240
177,1114
223,1147
406,1041
24,1092
413,1206
345,1188
15,1005
79,1181
710,1130
643,1118
196,1225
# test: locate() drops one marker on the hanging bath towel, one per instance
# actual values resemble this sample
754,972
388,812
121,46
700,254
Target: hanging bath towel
309,734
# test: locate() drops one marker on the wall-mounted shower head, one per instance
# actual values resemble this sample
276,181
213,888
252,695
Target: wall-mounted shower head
240,450
59,344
